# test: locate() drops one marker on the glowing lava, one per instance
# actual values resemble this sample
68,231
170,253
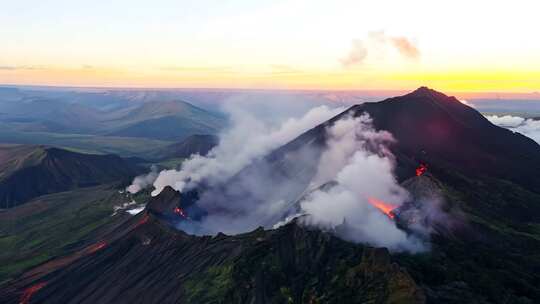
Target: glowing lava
142,221
96,247
30,291
421,169
383,206
180,212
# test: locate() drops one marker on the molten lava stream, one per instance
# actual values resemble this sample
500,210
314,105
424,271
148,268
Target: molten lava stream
180,212
96,247
30,291
383,206
143,221
421,169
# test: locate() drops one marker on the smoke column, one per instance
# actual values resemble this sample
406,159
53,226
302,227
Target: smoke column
242,190
248,139
360,165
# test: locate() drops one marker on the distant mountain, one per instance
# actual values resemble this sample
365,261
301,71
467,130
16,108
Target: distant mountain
50,115
30,171
168,120
116,114
194,144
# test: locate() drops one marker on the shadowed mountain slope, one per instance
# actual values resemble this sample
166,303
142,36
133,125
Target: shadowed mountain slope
168,120
31,171
431,126
152,262
194,144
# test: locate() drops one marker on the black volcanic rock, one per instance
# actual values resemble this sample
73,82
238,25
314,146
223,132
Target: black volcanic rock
164,203
31,171
433,127
156,264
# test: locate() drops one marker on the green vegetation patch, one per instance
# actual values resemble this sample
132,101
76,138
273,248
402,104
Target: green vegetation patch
210,286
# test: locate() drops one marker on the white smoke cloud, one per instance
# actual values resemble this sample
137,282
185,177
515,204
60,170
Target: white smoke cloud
358,160
142,181
354,160
248,139
528,127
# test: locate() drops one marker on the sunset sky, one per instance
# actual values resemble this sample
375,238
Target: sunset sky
299,44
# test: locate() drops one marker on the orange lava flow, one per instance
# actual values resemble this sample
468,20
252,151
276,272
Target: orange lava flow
143,221
30,291
421,169
180,212
96,247
384,207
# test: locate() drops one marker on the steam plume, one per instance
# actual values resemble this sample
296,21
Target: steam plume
142,181
361,166
333,184
248,139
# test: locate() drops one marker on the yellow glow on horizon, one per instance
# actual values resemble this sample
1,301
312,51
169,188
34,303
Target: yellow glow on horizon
293,44
276,78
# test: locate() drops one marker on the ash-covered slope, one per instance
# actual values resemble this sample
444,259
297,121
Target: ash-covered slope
31,171
151,262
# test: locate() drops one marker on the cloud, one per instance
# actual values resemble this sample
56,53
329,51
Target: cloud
19,67
357,54
506,121
376,43
405,47
526,126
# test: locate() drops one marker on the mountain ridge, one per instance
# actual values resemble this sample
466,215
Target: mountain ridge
44,169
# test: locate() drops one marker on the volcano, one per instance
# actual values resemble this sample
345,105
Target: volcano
484,177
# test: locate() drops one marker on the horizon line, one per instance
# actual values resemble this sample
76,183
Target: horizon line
498,95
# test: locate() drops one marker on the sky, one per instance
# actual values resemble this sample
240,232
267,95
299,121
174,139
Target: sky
473,46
